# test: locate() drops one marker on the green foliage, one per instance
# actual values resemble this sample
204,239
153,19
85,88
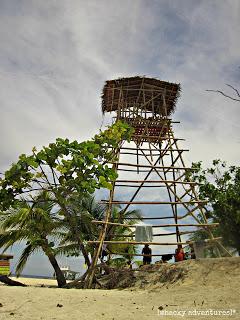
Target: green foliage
32,224
66,170
64,167
82,210
118,262
120,233
220,185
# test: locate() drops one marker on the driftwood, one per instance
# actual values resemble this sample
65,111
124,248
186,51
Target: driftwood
10,282
79,283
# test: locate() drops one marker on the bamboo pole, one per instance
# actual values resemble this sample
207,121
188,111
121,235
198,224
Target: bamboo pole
172,191
135,186
146,177
157,226
174,207
158,181
153,243
175,192
140,254
202,211
155,202
132,235
150,218
91,271
151,166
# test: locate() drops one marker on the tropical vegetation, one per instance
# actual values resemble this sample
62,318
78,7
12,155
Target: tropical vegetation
46,198
220,185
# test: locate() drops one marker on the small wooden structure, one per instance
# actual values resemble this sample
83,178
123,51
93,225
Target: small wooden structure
152,161
5,264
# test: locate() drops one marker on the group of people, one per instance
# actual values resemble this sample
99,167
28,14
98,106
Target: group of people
179,255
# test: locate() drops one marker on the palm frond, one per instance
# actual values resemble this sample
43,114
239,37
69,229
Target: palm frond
24,257
71,249
9,238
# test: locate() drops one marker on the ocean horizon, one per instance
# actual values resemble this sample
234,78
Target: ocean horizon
32,276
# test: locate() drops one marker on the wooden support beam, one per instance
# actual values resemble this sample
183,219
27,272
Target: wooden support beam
132,170
158,226
149,149
155,202
140,155
158,181
151,166
140,254
150,218
156,234
133,120
164,149
132,235
140,243
136,186
166,217
157,137
152,243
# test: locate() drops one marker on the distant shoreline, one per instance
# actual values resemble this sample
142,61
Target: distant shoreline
32,276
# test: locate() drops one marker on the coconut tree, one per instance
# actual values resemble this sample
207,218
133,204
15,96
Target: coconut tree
83,210
38,225
130,217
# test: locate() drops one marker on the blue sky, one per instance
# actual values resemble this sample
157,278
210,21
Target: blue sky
56,55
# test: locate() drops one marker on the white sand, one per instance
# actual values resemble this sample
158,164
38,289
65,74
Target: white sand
219,292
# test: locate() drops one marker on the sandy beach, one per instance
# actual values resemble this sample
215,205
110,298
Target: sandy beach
218,291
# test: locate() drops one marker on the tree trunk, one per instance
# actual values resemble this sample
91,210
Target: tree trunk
11,282
75,232
49,253
85,254
59,275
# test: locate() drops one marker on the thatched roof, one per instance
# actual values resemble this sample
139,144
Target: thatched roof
129,91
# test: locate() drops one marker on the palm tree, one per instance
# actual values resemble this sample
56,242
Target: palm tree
83,210
130,217
36,223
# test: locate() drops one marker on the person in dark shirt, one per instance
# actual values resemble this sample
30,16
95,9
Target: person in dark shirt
147,254
192,252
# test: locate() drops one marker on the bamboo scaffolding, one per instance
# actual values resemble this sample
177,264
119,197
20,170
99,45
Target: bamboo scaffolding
172,190
146,104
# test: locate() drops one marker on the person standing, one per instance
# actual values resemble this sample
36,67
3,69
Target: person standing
147,254
179,253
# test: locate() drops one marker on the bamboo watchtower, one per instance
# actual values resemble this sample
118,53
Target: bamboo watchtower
153,164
